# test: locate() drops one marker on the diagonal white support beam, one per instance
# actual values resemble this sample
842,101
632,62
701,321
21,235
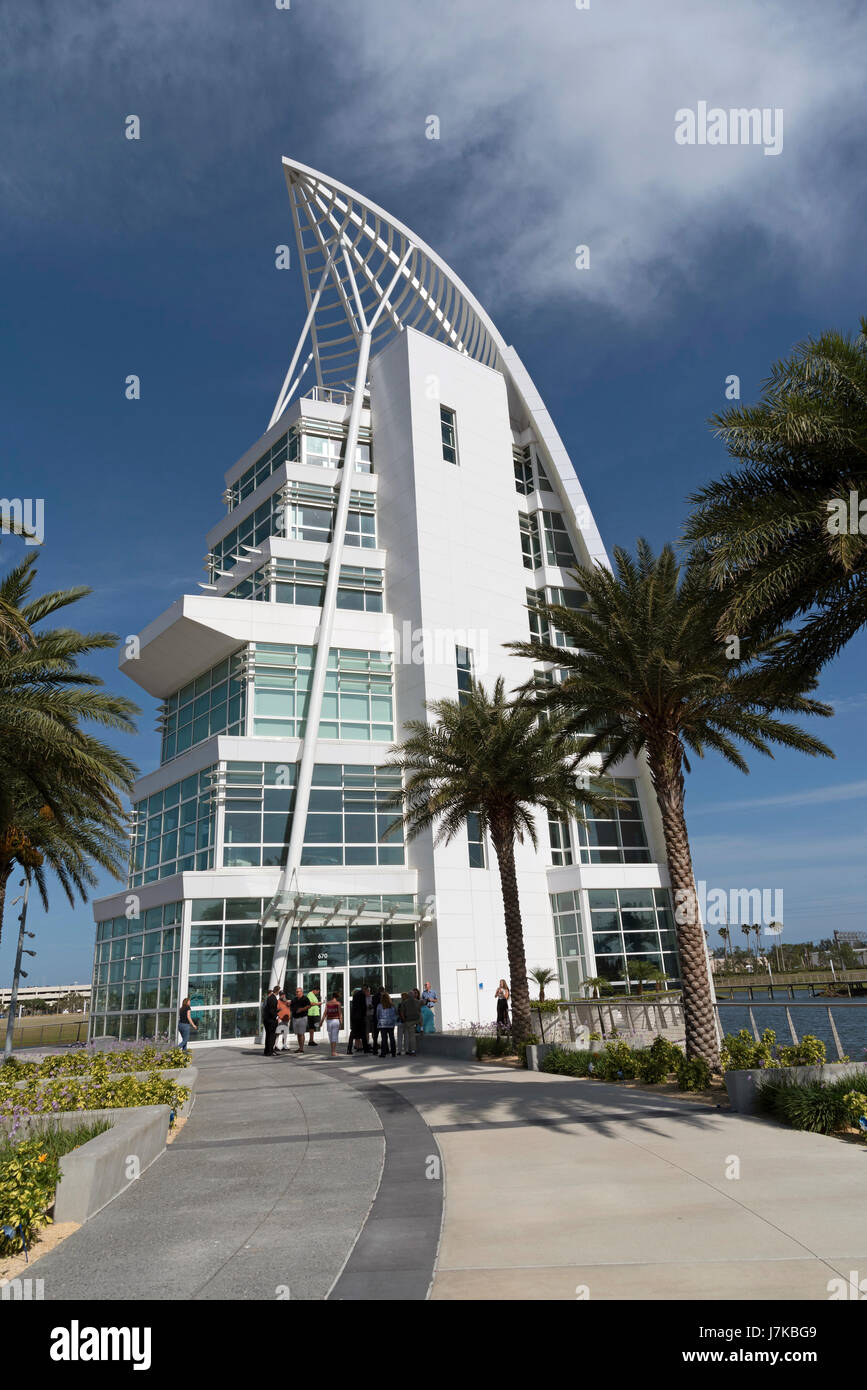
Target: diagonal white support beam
285,390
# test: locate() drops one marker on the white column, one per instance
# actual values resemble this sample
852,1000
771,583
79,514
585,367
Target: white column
320,667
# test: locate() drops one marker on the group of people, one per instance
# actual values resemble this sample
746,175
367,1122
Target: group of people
378,1021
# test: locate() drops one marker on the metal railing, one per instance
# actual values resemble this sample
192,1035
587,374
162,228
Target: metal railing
46,1033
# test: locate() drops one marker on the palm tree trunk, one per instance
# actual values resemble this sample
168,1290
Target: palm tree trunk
504,846
698,1011
4,879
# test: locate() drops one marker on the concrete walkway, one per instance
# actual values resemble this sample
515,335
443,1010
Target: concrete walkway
275,1183
558,1188
314,1179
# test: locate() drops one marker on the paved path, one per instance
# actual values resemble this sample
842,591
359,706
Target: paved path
274,1183
557,1188
322,1177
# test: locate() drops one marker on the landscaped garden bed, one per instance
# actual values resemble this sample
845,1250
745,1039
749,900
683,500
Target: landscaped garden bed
752,1065
29,1174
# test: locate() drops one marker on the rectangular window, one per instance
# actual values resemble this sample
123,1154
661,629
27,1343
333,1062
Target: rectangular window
358,699
350,812
476,843
543,630
561,845
158,973
260,799
464,663
214,703
449,434
326,451
173,830
631,926
281,686
530,476
558,546
283,449
619,837
360,588
531,546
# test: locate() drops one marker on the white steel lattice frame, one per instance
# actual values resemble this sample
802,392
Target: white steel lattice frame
349,250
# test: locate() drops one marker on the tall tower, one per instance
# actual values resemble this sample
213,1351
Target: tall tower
395,525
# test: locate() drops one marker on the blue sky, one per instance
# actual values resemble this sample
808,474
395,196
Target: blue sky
156,257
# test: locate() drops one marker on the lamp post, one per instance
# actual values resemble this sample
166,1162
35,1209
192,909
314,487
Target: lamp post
22,950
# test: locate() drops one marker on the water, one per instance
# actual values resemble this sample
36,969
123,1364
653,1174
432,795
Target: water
851,1023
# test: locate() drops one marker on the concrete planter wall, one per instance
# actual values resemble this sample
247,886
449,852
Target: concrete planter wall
743,1086
445,1045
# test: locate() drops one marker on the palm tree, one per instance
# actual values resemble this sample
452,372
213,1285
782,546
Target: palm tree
493,758
597,985
644,670
784,539
747,931
643,973
60,787
757,931
724,933
542,975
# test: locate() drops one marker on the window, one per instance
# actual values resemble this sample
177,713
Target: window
476,843
350,812
541,629
569,939
357,703
558,546
634,924
561,845
530,476
326,451
300,582
145,952
214,703
449,434
173,830
464,663
260,800
265,521
360,588
530,544
309,514
619,837
283,449
281,684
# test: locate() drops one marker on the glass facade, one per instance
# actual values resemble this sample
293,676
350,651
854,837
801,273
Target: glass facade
350,814
281,689
541,629
259,800
634,924
619,837
282,450
173,830
230,954
569,942
476,843
135,975
302,582
358,702
214,703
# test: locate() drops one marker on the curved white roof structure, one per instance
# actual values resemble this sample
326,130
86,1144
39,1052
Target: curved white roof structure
359,266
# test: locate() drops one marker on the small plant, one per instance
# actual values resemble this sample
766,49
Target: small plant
740,1052
809,1052
693,1073
493,1046
856,1105
561,1062
543,976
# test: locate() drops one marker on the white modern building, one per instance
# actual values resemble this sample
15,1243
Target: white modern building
386,535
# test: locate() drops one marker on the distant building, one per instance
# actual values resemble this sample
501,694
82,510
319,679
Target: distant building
50,993
851,938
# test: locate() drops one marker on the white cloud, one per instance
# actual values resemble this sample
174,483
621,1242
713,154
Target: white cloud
557,127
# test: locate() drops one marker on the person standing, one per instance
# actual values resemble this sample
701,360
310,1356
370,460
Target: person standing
375,997
429,996
185,1023
409,1011
502,998
428,1022
313,1016
299,1006
333,1020
358,1029
269,1019
386,1017
284,1020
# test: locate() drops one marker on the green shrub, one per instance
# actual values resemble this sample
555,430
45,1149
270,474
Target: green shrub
95,1092
809,1052
563,1062
546,1006
693,1073
28,1180
493,1047
650,1067
813,1107
616,1062
740,1052
856,1105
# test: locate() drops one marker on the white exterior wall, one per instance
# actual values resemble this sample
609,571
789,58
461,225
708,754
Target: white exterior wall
455,572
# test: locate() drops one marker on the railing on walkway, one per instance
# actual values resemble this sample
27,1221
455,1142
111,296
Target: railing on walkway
789,981
44,1034
788,1005
609,1015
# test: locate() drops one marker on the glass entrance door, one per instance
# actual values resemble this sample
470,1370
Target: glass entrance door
326,982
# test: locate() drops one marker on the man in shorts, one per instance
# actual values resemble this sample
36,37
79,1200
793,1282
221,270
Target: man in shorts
299,1006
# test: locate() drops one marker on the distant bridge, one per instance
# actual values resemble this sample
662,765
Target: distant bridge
852,982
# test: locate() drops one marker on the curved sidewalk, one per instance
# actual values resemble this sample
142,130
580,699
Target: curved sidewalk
565,1189
276,1182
